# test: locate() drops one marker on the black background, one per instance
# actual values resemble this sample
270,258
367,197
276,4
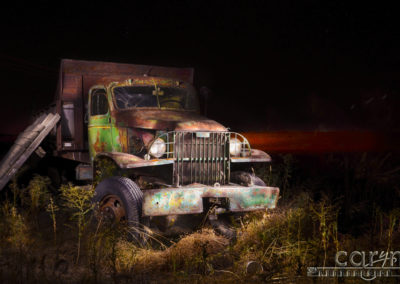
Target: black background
271,65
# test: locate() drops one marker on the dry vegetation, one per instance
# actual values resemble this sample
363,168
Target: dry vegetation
53,236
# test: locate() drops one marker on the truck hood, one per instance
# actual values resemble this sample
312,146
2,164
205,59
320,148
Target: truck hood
166,119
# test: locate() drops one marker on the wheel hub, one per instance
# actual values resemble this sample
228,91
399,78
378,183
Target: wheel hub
111,207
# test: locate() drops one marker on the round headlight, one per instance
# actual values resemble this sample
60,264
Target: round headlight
157,149
235,147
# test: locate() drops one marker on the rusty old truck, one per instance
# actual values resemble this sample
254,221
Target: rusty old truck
168,161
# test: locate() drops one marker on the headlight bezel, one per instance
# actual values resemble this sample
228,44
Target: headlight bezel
235,147
238,145
157,148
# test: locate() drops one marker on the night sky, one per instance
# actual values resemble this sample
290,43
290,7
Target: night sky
282,65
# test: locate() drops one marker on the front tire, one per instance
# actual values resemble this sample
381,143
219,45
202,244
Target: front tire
119,199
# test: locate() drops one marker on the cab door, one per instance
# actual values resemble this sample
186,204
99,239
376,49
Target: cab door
99,126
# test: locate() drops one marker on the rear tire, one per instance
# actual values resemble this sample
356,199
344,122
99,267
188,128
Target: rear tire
120,199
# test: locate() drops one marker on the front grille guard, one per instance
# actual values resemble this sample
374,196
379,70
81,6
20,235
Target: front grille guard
201,157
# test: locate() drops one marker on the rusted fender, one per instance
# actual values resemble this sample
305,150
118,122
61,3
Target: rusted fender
129,161
255,156
188,199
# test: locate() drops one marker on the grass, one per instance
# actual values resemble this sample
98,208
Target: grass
47,237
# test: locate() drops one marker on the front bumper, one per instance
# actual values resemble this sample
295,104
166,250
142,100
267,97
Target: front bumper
189,199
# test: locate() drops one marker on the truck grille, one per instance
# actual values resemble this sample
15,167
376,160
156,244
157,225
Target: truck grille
201,157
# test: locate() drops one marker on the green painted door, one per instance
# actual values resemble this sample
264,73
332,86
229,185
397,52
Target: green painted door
99,127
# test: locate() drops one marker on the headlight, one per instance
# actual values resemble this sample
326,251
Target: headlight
157,149
235,146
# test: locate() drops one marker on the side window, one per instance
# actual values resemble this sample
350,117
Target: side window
99,103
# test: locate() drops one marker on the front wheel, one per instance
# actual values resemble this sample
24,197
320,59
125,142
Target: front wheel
119,199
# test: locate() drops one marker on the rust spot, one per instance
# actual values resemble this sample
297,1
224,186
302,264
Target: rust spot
98,146
123,139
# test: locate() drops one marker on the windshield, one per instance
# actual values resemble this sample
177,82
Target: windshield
154,96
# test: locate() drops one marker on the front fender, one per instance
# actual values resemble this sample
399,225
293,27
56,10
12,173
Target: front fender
129,161
255,156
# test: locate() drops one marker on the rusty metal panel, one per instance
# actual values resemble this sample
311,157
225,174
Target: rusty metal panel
68,121
71,99
27,142
84,172
129,161
72,87
168,119
78,156
189,199
255,156
115,69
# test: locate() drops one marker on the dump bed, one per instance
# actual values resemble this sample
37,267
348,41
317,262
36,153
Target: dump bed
75,80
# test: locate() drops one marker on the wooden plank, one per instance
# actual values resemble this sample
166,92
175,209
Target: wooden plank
20,145
25,145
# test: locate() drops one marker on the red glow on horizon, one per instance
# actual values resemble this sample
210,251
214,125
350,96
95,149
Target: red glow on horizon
323,142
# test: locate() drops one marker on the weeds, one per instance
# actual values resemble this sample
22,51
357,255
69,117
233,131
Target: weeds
38,192
104,168
78,200
326,216
18,231
394,217
52,208
16,191
307,229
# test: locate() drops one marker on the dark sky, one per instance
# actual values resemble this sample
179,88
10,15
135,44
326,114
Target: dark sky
271,65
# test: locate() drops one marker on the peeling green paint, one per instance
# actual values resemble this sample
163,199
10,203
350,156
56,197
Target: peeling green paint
189,199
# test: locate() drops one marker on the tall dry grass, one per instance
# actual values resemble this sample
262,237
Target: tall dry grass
307,229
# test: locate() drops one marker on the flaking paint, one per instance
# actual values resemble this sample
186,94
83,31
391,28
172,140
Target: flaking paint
189,199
